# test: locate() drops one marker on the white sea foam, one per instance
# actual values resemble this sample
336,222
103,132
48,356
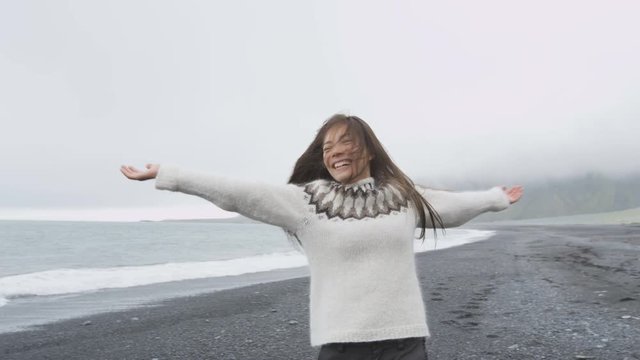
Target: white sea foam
454,237
68,281
65,281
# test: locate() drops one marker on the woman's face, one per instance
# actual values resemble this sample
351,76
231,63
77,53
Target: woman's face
343,159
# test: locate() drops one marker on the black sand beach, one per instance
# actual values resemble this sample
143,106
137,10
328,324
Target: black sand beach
530,292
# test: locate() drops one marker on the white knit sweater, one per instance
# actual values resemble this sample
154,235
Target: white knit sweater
358,239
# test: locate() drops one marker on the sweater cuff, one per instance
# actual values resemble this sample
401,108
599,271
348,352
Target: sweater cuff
501,201
167,177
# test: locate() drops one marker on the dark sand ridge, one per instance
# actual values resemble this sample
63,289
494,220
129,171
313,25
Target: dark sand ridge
530,292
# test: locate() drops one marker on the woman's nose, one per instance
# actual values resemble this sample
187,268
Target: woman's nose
337,150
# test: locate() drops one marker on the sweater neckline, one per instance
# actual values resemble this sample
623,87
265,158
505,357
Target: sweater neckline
358,200
366,183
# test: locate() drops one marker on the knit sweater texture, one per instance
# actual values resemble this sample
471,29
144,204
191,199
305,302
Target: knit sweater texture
358,240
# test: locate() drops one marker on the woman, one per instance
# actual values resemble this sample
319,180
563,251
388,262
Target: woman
354,213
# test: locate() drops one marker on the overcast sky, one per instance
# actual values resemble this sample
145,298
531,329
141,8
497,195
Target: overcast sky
505,91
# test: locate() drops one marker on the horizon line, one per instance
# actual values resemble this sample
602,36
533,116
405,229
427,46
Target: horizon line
115,214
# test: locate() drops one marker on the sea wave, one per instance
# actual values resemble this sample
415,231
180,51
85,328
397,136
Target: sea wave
65,281
69,281
453,237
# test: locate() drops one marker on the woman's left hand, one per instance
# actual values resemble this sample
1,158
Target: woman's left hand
514,194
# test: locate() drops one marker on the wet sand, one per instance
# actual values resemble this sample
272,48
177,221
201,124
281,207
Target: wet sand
530,292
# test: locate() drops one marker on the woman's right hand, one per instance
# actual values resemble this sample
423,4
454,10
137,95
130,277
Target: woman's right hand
134,174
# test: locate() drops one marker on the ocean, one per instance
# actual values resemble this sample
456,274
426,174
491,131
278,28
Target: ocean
52,270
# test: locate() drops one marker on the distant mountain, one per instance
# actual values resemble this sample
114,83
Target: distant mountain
591,193
627,217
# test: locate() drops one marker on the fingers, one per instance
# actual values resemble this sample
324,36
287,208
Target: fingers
515,188
515,193
134,174
130,172
127,172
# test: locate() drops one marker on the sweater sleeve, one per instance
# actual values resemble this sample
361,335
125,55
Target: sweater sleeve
457,208
279,205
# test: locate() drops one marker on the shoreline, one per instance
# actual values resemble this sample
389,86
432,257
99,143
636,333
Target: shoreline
529,292
45,310
22,312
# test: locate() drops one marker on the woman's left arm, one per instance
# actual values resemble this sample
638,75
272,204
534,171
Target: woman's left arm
456,208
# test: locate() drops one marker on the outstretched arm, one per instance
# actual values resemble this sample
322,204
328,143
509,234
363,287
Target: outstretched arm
279,205
457,208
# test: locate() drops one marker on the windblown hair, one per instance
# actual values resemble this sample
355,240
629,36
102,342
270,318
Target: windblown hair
310,166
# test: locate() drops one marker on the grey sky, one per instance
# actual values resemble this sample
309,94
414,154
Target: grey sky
506,91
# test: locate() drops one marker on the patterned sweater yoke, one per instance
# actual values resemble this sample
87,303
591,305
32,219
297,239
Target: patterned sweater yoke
358,239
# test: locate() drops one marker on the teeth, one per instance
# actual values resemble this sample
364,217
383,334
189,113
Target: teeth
341,164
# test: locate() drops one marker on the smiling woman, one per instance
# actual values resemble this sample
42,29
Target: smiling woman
354,213
346,160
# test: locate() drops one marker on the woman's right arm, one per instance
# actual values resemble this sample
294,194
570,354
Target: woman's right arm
280,205
458,207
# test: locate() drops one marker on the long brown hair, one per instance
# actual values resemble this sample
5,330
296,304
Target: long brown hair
310,166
